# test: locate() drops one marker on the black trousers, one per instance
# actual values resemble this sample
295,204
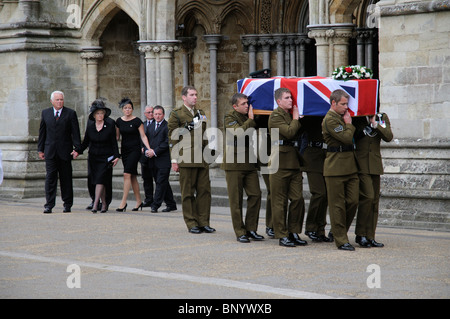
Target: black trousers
147,177
55,168
163,191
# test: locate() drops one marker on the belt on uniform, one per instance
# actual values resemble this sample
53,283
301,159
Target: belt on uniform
341,148
317,144
286,143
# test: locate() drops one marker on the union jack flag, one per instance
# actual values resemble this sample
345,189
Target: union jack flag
311,94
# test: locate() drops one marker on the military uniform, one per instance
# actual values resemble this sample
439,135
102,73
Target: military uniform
264,150
314,155
240,165
340,172
186,147
370,164
286,183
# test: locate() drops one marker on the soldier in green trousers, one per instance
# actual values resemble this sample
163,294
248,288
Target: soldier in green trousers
314,155
340,168
370,131
240,165
286,183
187,125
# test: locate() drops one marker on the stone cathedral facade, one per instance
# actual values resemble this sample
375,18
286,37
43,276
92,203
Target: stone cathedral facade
148,50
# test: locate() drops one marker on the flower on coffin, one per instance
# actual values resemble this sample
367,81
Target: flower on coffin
352,72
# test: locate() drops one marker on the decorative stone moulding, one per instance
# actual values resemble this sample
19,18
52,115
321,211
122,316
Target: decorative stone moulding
156,46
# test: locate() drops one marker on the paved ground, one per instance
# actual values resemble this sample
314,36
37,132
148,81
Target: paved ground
145,255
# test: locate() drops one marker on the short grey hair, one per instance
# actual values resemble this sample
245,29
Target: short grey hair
56,92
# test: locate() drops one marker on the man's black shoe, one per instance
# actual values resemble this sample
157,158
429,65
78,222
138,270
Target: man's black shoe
347,247
243,239
270,232
363,241
373,243
295,238
313,236
253,235
195,230
146,204
208,229
286,242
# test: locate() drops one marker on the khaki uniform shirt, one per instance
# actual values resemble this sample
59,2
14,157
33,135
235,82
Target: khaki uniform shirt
239,152
337,133
186,147
368,153
288,128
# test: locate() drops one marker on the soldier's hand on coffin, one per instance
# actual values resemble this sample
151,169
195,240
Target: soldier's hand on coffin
295,114
347,118
250,112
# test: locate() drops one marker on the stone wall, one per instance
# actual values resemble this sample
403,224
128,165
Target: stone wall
414,63
415,71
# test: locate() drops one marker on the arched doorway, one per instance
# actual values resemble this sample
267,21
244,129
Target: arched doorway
119,69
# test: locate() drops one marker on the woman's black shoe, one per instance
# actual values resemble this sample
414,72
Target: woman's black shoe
137,208
122,209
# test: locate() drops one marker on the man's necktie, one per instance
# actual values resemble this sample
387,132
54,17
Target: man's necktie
57,115
157,125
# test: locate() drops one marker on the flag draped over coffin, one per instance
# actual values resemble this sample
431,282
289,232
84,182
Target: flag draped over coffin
311,94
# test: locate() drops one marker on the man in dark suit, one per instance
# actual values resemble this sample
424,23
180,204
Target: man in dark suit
147,171
160,161
59,132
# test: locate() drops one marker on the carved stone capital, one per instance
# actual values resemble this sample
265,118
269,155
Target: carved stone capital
165,48
92,54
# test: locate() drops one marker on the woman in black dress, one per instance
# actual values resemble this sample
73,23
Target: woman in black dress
100,137
132,131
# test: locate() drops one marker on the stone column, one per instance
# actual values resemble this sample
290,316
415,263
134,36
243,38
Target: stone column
360,46
265,41
319,33
187,46
332,41
159,71
279,40
213,40
342,34
301,42
30,9
91,55
250,41
292,54
369,49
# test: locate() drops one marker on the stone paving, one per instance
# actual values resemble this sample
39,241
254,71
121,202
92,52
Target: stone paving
147,255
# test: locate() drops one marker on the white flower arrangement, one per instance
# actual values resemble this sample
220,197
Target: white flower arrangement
352,72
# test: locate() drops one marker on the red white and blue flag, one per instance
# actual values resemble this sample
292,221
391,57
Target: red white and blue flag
311,94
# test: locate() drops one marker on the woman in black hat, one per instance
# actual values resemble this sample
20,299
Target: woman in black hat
100,137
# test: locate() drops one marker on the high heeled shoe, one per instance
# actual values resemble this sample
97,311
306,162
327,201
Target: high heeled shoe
137,208
123,209
104,209
94,211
